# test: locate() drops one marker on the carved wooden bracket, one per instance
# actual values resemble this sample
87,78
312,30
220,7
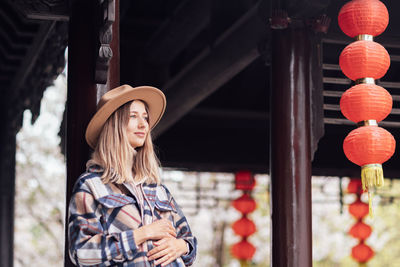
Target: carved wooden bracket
104,55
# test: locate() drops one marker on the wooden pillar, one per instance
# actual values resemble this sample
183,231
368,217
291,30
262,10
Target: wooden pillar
7,188
290,156
81,97
82,89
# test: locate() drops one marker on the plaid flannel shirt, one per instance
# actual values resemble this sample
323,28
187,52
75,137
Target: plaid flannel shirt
102,219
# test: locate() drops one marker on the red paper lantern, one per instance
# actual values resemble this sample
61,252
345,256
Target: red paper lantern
366,102
369,145
245,204
360,230
362,59
354,186
244,180
359,209
244,227
362,252
363,17
243,250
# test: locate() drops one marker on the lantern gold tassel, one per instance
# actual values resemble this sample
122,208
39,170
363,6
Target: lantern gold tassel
371,177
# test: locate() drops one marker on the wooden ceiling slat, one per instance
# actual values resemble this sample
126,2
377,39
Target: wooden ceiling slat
331,93
331,67
389,84
386,40
9,58
339,121
335,80
30,59
17,28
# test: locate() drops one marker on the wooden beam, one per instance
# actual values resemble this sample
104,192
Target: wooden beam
188,20
262,117
298,8
261,168
208,166
233,51
219,113
44,9
306,8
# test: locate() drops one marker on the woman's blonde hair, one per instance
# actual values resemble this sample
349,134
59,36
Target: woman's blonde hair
119,160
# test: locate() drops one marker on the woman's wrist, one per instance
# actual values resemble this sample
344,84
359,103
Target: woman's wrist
140,235
185,247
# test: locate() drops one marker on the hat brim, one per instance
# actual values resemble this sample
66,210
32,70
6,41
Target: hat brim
113,99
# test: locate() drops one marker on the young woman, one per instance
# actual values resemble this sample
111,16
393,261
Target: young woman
120,214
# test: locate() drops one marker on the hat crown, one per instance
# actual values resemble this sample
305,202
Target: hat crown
112,94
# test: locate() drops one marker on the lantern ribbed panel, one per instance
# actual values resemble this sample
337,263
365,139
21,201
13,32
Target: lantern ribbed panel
360,230
243,250
363,59
245,204
359,209
362,252
366,102
369,145
363,17
244,227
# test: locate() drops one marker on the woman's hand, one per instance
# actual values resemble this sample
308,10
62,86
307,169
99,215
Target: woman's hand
157,230
167,250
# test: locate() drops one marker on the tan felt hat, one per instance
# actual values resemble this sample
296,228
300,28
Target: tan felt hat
113,99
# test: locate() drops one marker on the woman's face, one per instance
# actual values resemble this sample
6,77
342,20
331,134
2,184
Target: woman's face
138,126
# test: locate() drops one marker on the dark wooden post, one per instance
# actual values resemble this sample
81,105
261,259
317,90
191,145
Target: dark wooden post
82,89
7,187
290,158
81,101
